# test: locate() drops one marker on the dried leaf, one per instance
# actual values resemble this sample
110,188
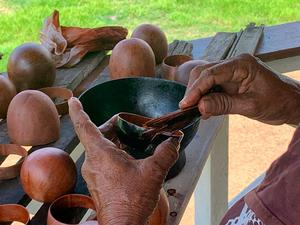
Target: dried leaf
51,36
68,45
95,39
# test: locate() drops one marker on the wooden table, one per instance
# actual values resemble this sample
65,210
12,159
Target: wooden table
278,42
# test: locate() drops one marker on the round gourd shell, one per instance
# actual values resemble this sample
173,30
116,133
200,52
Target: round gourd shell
182,74
132,58
30,66
32,119
155,37
47,174
7,92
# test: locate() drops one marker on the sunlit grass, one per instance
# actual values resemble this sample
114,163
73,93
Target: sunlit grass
21,20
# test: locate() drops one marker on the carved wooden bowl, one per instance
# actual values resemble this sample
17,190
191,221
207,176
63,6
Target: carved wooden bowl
149,97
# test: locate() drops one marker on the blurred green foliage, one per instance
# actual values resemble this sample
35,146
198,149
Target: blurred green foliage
21,20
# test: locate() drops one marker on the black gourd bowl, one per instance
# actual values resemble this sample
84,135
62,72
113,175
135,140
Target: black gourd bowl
150,97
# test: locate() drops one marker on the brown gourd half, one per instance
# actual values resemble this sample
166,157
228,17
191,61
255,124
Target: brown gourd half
30,66
155,37
32,119
132,58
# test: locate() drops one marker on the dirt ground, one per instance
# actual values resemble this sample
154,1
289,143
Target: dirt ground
253,146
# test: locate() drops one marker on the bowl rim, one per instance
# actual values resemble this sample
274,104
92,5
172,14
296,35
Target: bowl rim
132,78
140,78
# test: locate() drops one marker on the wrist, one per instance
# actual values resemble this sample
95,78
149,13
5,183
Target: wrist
120,215
118,218
294,109
292,105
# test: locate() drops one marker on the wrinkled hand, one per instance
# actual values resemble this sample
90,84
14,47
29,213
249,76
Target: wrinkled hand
250,89
124,190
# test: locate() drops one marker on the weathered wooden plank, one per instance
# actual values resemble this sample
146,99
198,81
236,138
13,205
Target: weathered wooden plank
238,36
84,85
71,77
104,76
4,139
219,46
248,40
279,41
180,47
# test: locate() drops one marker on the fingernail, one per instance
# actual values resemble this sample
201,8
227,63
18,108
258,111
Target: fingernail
182,103
181,136
176,140
72,98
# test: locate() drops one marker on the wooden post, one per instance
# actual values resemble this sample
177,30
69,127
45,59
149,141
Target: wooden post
211,194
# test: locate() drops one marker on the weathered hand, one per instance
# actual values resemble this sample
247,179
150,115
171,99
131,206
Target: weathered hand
250,89
124,190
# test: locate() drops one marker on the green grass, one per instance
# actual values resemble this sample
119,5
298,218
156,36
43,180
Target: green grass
21,20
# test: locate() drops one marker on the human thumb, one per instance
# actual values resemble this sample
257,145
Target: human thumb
166,153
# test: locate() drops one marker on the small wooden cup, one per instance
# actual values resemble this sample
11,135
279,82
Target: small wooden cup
13,171
68,201
62,93
14,213
171,63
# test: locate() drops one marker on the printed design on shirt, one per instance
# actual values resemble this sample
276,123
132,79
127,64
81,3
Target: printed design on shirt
247,217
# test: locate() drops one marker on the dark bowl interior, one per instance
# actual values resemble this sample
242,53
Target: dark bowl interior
150,97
